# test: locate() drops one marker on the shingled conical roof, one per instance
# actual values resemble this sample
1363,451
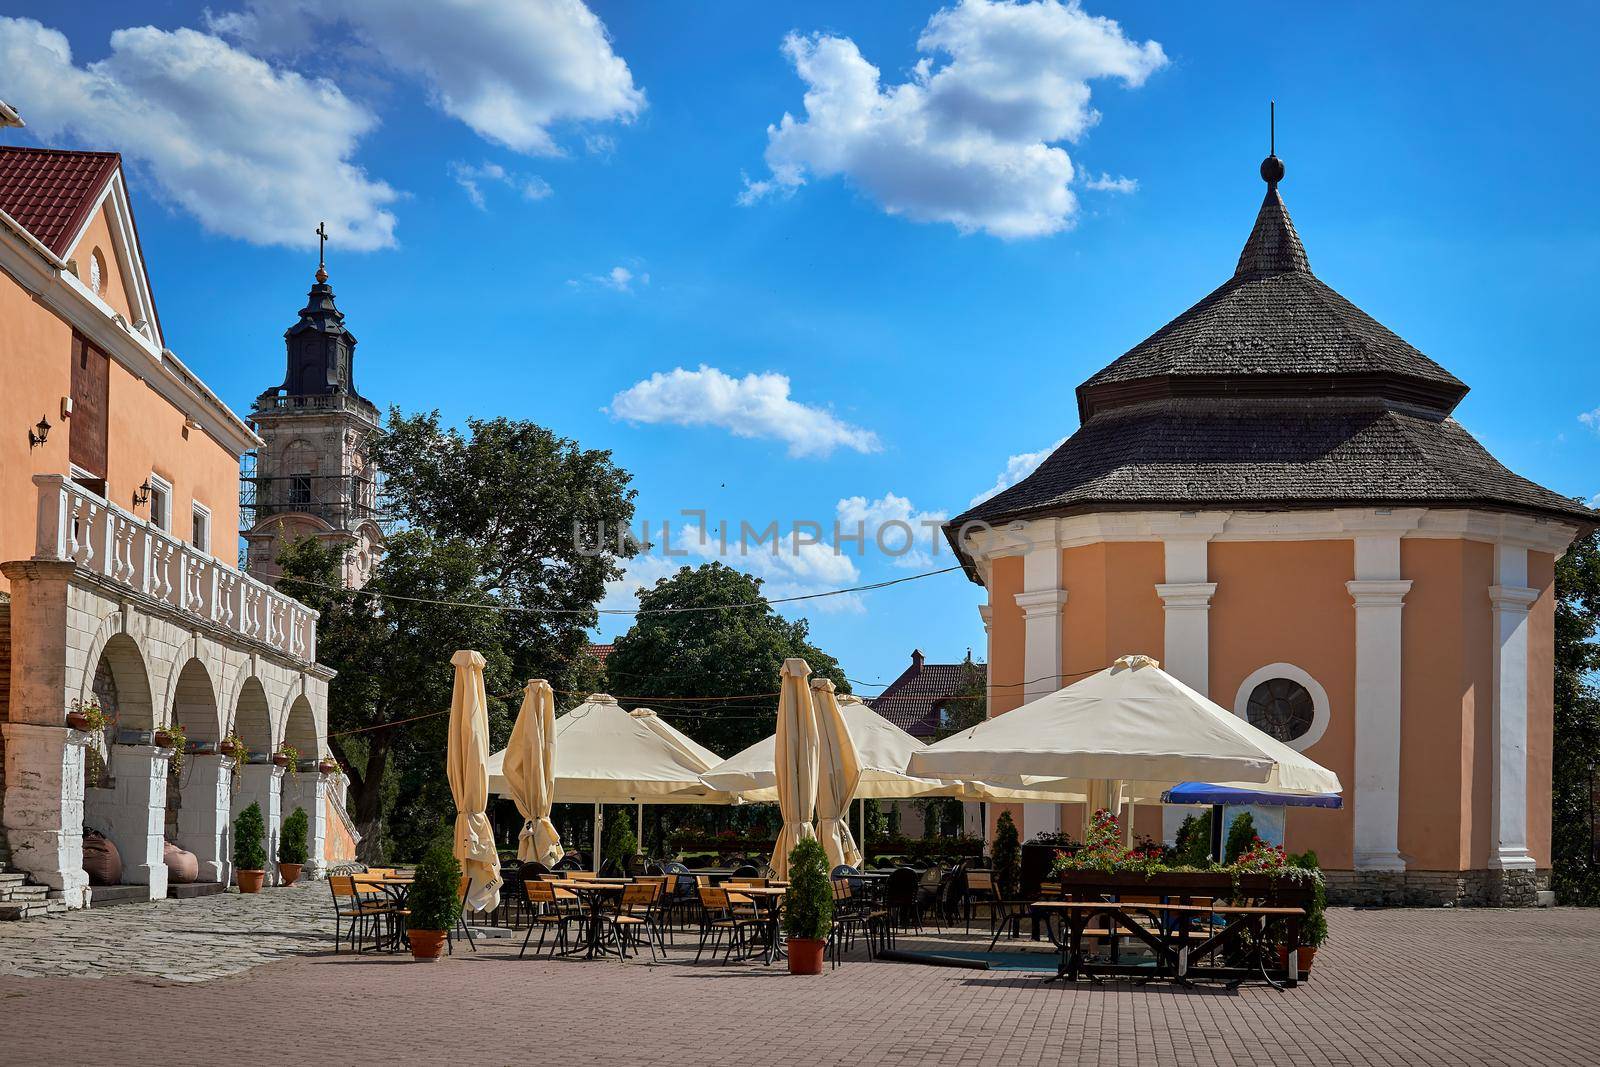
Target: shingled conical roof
1273,392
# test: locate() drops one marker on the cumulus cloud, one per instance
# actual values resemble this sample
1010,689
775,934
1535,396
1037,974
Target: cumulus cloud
755,406
973,137
892,526
1107,184
511,72
1591,419
1017,468
251,150
472,179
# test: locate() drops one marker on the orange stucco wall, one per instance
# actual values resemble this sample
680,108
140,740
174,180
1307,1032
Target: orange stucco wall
1005,654
1286,602
98,235
145,432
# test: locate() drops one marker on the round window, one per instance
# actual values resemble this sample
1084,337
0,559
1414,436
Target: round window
1281,707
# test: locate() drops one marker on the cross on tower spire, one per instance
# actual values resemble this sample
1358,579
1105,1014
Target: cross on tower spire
322,256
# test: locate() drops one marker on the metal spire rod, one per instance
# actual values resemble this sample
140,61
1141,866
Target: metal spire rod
1272,128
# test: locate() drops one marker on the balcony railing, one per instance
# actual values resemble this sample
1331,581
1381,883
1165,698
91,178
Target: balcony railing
78,526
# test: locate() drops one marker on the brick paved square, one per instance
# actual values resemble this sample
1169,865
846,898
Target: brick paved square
253,980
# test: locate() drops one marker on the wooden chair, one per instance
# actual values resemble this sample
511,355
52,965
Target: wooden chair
718,919
981,890
349,905
550,912
635,918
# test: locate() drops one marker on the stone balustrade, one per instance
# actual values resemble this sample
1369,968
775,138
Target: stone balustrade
77,526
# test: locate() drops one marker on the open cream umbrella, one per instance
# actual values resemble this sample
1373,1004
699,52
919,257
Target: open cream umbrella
466,765
839,775
1131,722
795,761
530,773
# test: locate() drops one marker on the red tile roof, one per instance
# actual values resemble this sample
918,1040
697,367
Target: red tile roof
912,701
601,652
52,192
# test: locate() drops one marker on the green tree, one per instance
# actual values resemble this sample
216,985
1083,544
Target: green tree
970,705
1241,835
1576,874
733,651
292,844
248,831
500,550
1007,857
617,842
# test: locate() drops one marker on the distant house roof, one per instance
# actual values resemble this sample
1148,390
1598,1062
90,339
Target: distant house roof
912,701
51,193
601,652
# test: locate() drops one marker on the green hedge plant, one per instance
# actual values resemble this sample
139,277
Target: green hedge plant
292,843
1007,856
249,830
808,904
435,897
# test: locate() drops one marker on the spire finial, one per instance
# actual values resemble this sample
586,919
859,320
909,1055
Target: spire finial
322,256
1272,166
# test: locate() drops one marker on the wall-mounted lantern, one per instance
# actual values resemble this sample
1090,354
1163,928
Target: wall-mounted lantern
38,435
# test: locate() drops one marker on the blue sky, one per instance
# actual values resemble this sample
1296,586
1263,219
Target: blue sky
932,303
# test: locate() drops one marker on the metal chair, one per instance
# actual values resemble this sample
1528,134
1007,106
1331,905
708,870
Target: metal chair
549,912
349,905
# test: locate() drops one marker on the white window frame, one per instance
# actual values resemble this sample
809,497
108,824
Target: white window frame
1319,700
162,489
199,518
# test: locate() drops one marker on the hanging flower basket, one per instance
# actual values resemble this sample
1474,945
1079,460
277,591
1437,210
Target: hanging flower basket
327,766
280,760
77,720
232,748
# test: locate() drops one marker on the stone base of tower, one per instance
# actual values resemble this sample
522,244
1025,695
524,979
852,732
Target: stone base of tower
1437,889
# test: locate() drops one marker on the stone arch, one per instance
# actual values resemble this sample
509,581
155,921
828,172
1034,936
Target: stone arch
252,716
194,701
300,728
117,673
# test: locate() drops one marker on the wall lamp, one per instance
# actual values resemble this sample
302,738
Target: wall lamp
38,435
141,495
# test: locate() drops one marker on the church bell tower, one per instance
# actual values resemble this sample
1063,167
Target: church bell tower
313,476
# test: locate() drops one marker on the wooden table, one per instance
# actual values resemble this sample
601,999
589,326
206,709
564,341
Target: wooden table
397,889
770,897
593,892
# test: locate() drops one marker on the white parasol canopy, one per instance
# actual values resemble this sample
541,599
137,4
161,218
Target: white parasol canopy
1131,722
528,768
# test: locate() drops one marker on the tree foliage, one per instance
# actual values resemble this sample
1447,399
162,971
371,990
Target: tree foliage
249,830
1576,874
733,652
486,558
1007,857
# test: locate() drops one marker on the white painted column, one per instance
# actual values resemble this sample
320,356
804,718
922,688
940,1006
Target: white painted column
972,811
1186,644
44,806
307,790
1379,593
133,813
1511,598
206,789
262,783
1041,601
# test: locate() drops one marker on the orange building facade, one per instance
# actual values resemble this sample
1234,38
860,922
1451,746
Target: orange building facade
119,480
1270,496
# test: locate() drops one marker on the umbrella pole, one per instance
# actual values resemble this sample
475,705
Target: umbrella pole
638,835
599,821
861,826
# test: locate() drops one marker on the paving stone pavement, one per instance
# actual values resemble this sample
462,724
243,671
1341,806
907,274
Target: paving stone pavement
1403,987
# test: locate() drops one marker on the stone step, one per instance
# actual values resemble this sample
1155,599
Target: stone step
12,878
18,892
101,896
13,912
187,890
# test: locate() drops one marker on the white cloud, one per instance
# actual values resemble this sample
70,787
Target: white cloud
473,178
1107,184
972,139
1017,468
1594,501
755,406
1591,419
618,279
510,71
892,526
252,151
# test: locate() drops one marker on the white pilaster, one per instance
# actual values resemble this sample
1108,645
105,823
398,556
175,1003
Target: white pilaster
133,813
204,812
1379,594
1041,601
1186,606
44,806
262,783
1511,599
307,790
986,613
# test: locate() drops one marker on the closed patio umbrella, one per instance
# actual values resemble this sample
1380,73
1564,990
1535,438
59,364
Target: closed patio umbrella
795,761
530,774
839,774
1131,722
466,765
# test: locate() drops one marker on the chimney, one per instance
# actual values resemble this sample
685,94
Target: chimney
916,661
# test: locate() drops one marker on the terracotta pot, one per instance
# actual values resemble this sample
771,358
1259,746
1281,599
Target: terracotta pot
1303,964
327,766
77,720
182,867
280,760
228,749
250,881
163,739
805,955
288,873
426,945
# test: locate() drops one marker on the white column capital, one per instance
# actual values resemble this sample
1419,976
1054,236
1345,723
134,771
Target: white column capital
1186,596
986,613
1378,593
1041,603
1512,598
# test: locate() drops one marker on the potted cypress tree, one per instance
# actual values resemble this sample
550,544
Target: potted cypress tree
434,901
292,847
808,907
249,855
1314,927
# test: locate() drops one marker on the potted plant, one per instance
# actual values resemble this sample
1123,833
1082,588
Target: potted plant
292,847
249,855
287,756
434,902
87,716
327,766
808,907
233,745
1314,927
173,736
